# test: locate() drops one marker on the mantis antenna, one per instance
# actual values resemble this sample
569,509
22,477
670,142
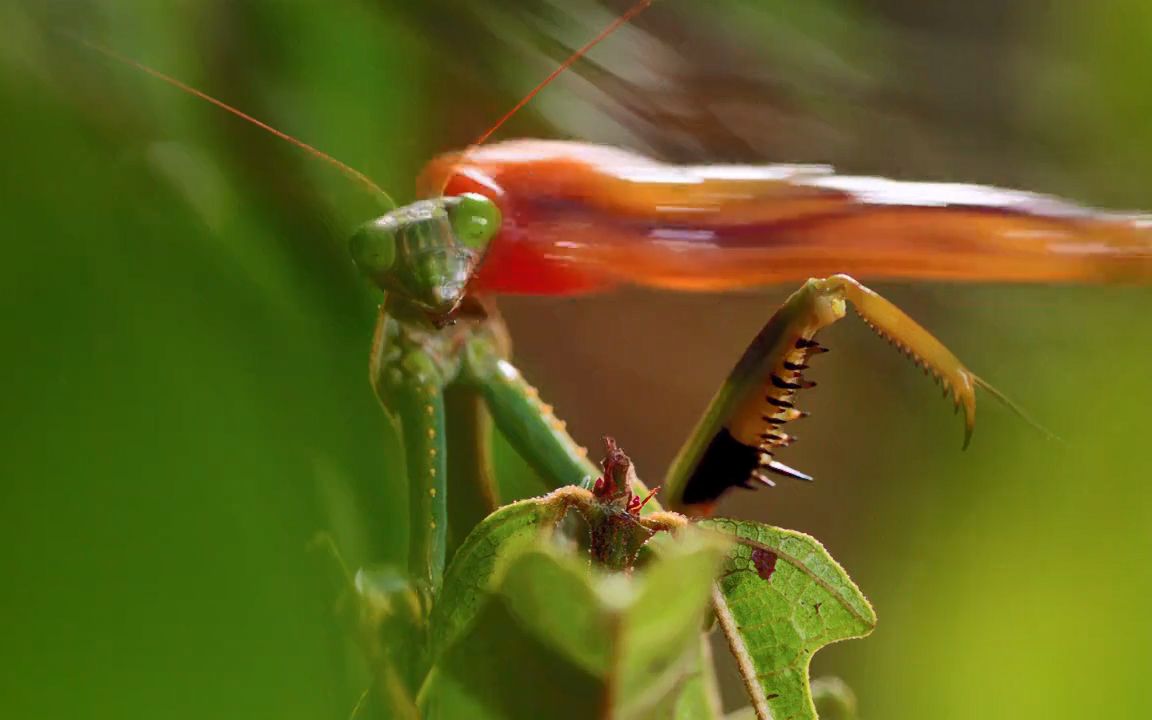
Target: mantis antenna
623,19
346,169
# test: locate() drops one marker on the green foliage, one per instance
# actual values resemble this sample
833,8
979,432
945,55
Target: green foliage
528,626
781,598
520,595
561,639
392,625
473,567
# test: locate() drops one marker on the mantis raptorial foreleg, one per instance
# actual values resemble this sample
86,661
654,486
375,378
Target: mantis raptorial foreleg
473,492
735,440
409,374
419,372
526,421
412,392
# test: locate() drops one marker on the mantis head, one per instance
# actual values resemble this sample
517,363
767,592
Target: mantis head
426,252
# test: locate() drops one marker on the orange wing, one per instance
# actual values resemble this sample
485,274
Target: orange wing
581,217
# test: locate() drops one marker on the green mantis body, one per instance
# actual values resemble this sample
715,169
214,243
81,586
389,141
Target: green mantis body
418,372
440,366
432,349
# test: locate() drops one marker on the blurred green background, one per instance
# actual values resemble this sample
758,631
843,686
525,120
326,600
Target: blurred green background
184,360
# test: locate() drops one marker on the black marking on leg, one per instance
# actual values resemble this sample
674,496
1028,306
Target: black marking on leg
784,384
725,464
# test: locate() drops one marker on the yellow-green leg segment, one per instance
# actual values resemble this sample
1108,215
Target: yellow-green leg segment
412,392
527,422
735,442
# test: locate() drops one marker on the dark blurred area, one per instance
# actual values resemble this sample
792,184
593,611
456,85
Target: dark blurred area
185,351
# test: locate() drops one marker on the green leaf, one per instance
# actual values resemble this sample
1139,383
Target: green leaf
574,642
478,564
781,598
391,618
699,697
669,610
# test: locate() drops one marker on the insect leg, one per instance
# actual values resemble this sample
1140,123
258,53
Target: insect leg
410,386
474,493
735,442
528,423
921,347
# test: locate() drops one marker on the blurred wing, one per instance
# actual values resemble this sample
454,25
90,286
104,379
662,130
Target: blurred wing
605,217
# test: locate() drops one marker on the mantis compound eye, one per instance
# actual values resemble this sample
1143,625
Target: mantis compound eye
373,246
474,219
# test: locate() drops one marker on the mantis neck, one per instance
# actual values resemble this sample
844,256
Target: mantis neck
404,328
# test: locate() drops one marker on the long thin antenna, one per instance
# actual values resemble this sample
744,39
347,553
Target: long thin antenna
632,12
348,170
627,16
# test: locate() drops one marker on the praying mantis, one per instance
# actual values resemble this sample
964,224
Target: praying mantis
565,217
418,254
